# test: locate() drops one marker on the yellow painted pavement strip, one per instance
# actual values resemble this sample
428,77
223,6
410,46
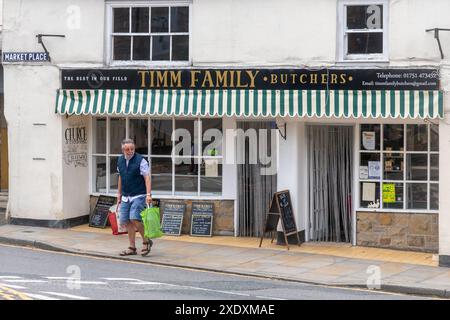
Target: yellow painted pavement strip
11,294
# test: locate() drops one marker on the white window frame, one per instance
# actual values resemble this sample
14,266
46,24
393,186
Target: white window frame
110,5
173,194
404,181
342,32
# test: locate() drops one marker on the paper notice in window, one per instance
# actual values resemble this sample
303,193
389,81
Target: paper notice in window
368,191
388,192
374,169
211,168
368,140
364,172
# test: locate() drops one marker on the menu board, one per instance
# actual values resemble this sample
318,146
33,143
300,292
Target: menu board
100,215
202,219
172,217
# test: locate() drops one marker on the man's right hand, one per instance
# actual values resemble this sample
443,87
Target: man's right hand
119,199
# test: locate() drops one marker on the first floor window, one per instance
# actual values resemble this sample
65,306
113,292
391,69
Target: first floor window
363,29
399,166
185,155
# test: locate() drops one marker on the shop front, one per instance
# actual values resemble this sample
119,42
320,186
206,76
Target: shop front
357,149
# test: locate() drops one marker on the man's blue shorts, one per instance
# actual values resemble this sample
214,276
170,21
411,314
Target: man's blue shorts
131,210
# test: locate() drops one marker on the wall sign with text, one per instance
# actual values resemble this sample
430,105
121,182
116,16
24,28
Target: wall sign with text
25,57
282,79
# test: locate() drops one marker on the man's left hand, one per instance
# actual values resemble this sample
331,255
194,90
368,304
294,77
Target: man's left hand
149,199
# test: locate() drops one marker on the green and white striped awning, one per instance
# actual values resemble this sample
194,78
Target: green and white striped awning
254,103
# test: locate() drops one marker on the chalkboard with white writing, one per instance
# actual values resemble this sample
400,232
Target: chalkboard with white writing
202,219
99,217
172,217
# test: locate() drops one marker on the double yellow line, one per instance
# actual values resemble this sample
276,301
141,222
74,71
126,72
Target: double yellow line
11,294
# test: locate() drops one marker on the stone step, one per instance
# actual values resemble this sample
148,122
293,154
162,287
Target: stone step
2,218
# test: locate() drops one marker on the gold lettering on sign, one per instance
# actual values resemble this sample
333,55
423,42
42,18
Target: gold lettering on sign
324,78
142,74
334,78
152,79
222,79
238,83
343,80
208,78
161,79
175,79
313,78
283,77
232,78
273,79
194,78
252,78
302,78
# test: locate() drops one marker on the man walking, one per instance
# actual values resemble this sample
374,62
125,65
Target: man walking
134,192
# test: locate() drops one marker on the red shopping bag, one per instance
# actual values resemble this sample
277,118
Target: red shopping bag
112,217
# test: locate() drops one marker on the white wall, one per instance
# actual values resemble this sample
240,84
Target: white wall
34,131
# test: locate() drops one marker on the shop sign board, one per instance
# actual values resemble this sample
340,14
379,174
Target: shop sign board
172,217
202,219
281,208
99,217
268,79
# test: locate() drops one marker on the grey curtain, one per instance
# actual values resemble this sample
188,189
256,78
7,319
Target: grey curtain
255,190
330,150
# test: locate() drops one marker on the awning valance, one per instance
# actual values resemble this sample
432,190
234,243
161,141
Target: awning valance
267,103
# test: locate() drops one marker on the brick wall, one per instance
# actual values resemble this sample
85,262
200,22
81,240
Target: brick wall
406,231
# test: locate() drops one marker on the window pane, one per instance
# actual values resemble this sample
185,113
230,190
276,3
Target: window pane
161,170
416,195
121,48
100,136
160,19
393,166
434,137
114,175
369,167
364,17
185,137
370,195
180,48
434,167
370,137
393,195
186,176
434,196
117,134
417,167
99,165
161,48
161,133
141,48
365,42
179,19
212,130
139,133
416,137
139,20
121,19
393,137
211,176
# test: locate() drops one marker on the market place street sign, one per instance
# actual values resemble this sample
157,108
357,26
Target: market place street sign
275,79
25,56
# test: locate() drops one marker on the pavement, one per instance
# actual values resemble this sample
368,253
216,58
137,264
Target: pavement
336,265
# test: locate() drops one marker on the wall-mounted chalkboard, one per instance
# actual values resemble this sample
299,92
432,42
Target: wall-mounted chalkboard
280,207
202,219
99,217
172,217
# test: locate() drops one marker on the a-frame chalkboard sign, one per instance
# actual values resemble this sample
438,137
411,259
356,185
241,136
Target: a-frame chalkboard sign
280,206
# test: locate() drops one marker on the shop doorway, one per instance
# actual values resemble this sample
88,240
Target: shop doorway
256,183
330,155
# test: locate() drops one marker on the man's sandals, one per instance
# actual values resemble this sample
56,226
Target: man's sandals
129,252
147,247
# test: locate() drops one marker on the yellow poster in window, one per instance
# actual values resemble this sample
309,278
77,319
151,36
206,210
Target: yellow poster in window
388,192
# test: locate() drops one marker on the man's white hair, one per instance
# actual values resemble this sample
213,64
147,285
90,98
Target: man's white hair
127,141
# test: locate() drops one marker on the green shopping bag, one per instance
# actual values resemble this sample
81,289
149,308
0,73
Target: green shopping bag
152,227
